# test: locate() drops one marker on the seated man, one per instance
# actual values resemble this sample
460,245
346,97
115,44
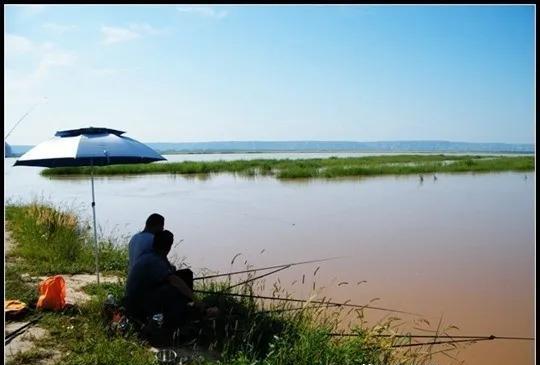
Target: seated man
154,287
141,242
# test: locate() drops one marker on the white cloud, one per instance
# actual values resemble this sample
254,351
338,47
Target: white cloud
48,61
103,71
144,28
15,44
107,71
205,11
58,28
117,35
46,52
40,59
59,58
122,34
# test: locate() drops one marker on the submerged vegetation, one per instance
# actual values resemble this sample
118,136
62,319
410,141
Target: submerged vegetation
250,331
332,167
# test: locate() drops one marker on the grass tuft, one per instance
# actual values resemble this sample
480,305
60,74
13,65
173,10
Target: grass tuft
54,241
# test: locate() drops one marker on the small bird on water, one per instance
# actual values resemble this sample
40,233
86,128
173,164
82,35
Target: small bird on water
421,178
434,177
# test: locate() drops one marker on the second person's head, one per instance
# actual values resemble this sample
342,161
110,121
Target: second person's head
155,223
163,242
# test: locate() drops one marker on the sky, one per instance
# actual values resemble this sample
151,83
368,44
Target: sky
272,73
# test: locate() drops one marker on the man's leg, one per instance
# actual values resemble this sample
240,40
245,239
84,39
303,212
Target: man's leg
169,301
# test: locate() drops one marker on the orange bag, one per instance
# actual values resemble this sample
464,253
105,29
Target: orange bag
52,293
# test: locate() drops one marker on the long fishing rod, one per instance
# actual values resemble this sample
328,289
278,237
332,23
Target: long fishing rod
491,337
24,116
267,268
471,340
10,336
439,342
258,277
306,301
325,305
454,339
291,309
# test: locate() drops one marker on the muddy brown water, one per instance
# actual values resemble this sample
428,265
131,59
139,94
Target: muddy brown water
461,247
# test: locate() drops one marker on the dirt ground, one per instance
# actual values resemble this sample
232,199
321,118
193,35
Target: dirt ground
25,342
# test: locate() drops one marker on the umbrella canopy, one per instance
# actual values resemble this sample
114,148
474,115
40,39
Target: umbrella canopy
88,147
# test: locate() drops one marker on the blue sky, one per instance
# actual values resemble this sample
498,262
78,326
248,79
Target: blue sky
221,73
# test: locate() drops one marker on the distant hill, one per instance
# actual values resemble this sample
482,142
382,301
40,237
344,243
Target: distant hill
341,146
328,146
14,150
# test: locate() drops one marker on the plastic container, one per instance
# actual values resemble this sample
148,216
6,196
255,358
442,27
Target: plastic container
167,357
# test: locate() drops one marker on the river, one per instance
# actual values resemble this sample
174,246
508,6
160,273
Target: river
461,246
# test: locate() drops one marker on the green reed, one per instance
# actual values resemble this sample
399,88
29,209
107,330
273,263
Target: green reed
332,167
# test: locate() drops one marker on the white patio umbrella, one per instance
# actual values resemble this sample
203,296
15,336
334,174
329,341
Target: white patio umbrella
89,147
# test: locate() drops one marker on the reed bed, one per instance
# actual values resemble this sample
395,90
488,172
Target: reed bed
332,167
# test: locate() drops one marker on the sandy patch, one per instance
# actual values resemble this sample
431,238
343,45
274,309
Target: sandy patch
25,342
75,284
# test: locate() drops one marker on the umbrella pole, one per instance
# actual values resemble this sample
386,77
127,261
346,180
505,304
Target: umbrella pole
95,229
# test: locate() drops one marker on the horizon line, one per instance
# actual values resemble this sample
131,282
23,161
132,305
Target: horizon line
323,141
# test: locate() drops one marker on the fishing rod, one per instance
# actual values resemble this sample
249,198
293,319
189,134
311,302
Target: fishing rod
454,339
290,309
491,337
471,340
300,308
267,268
258,277
20,330
306,301
440,342
24,116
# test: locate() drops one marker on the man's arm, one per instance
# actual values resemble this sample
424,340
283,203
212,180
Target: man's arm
180,285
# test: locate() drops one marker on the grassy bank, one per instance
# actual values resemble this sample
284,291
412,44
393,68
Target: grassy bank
50,241
321,168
